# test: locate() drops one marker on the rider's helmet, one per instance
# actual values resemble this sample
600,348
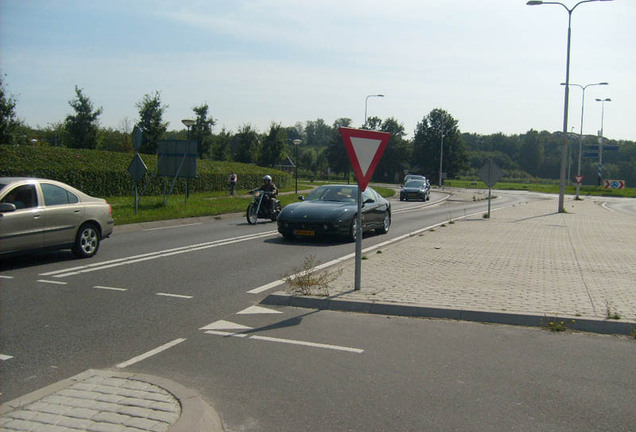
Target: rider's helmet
267,178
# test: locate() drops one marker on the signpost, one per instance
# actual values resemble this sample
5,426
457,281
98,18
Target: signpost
365,148
490,174
137,168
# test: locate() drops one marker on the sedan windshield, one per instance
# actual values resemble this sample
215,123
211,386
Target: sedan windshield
414,184
333,193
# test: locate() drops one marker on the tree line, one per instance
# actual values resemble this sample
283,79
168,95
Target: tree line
321,153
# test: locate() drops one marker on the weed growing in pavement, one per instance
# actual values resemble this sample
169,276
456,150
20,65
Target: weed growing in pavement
611,314
632,333
308,281
558,326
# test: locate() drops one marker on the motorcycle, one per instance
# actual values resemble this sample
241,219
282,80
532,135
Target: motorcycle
259,208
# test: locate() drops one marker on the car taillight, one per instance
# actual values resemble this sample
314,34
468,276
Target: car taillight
110,209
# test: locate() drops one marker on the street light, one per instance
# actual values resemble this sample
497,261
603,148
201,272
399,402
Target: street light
600,139
365,105
441,156
583,87
564,152
188,123
296,144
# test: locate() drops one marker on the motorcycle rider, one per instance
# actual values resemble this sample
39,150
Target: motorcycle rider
271,192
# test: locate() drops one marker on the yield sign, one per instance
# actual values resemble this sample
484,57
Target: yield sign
365,148
579,179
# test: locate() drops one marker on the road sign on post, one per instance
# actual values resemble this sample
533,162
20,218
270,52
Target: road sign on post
365,148
490,174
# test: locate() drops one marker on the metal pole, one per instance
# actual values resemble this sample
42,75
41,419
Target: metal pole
441,157
358,267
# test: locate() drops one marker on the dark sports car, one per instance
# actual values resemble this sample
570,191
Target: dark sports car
330,210
415,189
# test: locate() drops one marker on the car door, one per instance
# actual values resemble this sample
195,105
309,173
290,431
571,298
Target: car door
370,210
63,213
21,229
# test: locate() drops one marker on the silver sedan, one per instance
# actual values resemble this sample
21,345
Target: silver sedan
37,214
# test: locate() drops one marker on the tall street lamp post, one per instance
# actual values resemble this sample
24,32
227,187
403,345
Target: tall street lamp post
600,139
366,100
441,157
296,144
578,171
188,123
564,152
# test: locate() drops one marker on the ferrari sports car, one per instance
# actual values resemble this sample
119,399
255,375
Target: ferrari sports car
330,210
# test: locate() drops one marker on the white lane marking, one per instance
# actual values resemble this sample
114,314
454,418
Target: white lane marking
266,287
150,353
51,282
309,344
109,288
174,295
352,255
289,341
222,333
171,227
257,310
154,255
224,325
4,357
6,277
604,205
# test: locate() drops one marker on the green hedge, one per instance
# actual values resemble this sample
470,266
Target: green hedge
102,173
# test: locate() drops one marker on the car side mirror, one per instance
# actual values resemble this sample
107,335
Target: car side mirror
7,207
368,201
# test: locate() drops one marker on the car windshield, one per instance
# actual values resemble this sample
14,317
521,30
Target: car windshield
414,183
333,193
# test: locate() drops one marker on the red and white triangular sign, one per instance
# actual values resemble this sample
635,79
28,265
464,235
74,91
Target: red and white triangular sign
365,148
579,179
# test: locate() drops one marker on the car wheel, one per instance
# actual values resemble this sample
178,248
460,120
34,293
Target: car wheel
86,241
386,224
353,231
288,235
251,215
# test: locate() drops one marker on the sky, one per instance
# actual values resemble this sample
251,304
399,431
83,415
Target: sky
494,65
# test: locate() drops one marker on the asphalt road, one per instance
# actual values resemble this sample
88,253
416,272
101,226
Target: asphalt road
161,301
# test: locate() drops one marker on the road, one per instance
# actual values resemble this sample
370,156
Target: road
163,301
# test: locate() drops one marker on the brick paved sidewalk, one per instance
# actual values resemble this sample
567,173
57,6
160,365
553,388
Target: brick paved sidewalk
524,259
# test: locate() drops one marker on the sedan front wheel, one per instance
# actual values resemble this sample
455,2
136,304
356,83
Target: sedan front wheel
386,224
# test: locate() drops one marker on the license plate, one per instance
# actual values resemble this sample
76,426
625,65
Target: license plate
308,233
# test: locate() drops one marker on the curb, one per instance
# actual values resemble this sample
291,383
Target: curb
410,310
196,414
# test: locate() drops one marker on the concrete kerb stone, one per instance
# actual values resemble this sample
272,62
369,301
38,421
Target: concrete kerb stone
196,414
417,311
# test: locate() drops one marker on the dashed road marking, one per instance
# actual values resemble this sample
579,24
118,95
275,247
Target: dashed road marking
51,282
109,288
175,295
224,325
4,357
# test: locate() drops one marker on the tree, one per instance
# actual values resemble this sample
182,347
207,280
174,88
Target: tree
246,143
8,120
428,140
202,129
151,122
532,153
221,147
396,156
318,133
274,144
81,128
337,152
